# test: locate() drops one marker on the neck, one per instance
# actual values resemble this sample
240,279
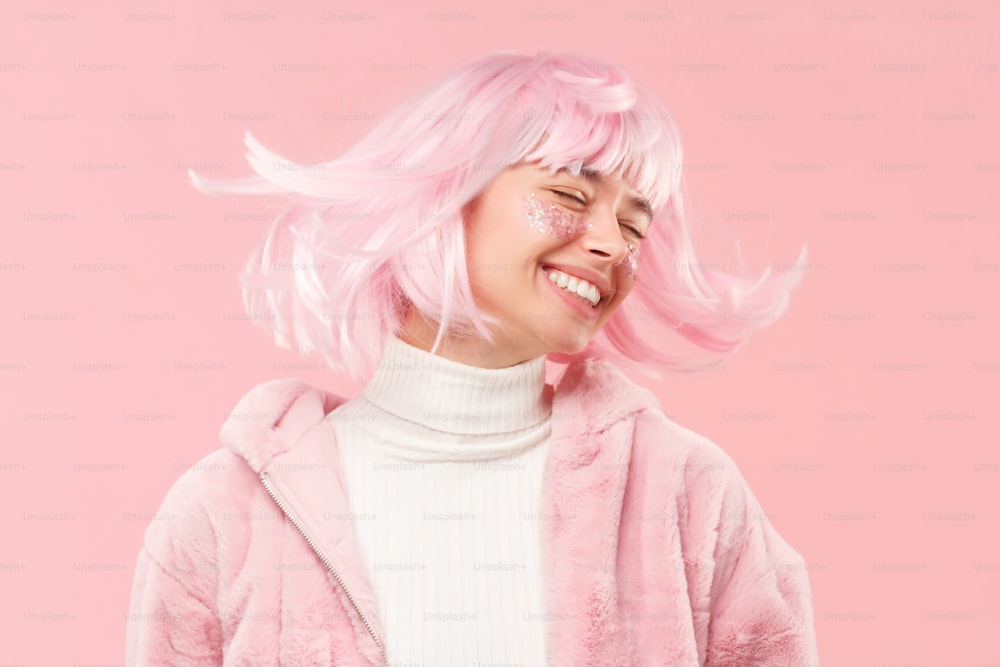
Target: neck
421,333
451,397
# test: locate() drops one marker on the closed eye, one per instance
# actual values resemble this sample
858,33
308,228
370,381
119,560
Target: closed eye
582,202
634,231
572,196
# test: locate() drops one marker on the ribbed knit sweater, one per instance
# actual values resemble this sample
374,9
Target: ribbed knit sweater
443,467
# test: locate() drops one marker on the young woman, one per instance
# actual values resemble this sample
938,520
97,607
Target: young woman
487,259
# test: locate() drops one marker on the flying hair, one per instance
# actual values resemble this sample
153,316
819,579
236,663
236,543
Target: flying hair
380,229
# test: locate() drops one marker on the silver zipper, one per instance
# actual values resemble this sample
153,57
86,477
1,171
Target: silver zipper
326,561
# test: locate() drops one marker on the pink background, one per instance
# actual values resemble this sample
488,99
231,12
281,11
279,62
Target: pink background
865,420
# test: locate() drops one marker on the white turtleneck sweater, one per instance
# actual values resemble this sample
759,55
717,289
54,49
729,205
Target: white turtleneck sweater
443,467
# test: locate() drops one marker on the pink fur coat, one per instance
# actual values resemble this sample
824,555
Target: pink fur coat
655,551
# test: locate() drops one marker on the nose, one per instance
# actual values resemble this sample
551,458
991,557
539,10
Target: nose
603,237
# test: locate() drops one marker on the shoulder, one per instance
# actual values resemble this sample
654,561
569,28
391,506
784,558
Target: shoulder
696,456
206,502
265,422
717,512
674,462
689,465
595,396
600,395
212,482
198,500
192,530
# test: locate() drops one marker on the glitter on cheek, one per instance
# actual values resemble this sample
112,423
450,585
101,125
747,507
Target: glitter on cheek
552,219
563,224
631,261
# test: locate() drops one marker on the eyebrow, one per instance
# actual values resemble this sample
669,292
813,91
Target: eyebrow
636,201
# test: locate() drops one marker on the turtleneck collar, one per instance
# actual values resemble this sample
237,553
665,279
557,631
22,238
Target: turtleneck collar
448,396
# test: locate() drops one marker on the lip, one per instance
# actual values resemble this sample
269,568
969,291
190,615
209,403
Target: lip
575,302
580,273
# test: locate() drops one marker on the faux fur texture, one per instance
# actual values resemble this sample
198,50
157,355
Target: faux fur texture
655,551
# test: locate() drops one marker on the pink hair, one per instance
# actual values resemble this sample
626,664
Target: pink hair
381,227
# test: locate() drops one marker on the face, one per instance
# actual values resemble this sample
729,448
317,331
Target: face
531,237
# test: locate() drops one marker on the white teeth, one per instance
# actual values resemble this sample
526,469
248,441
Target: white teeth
574,285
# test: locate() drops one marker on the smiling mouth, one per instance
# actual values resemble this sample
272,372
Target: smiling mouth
583,290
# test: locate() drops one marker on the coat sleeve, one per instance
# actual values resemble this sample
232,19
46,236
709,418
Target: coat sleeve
173,618
760,610
168,625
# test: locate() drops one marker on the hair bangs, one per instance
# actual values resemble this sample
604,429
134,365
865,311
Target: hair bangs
638,145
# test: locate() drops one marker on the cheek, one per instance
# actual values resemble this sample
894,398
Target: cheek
631,261
552,219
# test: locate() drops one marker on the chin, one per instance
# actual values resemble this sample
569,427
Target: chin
567,356
569,346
